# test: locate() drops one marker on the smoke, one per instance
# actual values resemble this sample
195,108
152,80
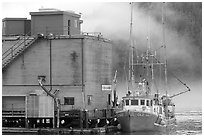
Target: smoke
183,23
113,20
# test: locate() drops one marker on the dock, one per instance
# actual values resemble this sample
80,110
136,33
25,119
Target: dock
58,131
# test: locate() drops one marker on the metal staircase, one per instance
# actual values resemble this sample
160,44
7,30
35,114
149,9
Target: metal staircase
10,54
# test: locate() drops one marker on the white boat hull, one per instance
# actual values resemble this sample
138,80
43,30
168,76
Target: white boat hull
132,121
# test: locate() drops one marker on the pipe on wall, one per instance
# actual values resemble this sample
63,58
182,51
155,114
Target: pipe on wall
56,100
82,73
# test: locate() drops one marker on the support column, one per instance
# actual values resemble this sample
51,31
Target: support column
81,119
86,119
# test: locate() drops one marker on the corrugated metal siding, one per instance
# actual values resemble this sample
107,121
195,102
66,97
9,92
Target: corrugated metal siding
46,106
40,106
32,106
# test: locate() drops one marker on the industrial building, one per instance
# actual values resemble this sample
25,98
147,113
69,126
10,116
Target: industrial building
54,70
16,26
55,21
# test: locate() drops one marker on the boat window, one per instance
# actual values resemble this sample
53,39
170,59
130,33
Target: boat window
151,102
134,102
147,102
127,102
142,102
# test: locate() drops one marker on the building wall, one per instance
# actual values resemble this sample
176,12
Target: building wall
54,23
21,76
46,24
97,66
74,25
27,27
38,104
15,27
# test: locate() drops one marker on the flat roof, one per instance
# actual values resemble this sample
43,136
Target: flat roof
43,13
15,19
139,96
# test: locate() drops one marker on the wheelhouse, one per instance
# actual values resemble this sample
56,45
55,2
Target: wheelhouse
137,102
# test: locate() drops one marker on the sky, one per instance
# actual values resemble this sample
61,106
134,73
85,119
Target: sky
112,19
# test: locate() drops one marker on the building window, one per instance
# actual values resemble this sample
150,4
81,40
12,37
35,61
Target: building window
68,100
75,23
89,99
151,102
134,102
142,102
147,102
69,25
127,102
109,99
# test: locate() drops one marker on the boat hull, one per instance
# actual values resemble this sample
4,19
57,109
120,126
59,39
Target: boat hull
132,121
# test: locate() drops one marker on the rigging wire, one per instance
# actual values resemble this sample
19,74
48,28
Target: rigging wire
174,75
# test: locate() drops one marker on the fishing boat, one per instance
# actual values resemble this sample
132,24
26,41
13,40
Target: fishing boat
144,108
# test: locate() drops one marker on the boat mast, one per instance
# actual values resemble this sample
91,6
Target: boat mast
130,53
165,57
164,45
148,63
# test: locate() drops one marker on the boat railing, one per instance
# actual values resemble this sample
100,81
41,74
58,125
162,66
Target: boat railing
139,108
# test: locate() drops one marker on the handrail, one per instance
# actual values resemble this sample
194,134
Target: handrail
13,49
17,42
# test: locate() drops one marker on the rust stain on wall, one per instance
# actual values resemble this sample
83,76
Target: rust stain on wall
75,67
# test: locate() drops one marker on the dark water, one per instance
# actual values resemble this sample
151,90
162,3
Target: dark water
188,123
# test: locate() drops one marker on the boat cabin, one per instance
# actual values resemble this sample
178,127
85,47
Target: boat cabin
137,102
142,103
